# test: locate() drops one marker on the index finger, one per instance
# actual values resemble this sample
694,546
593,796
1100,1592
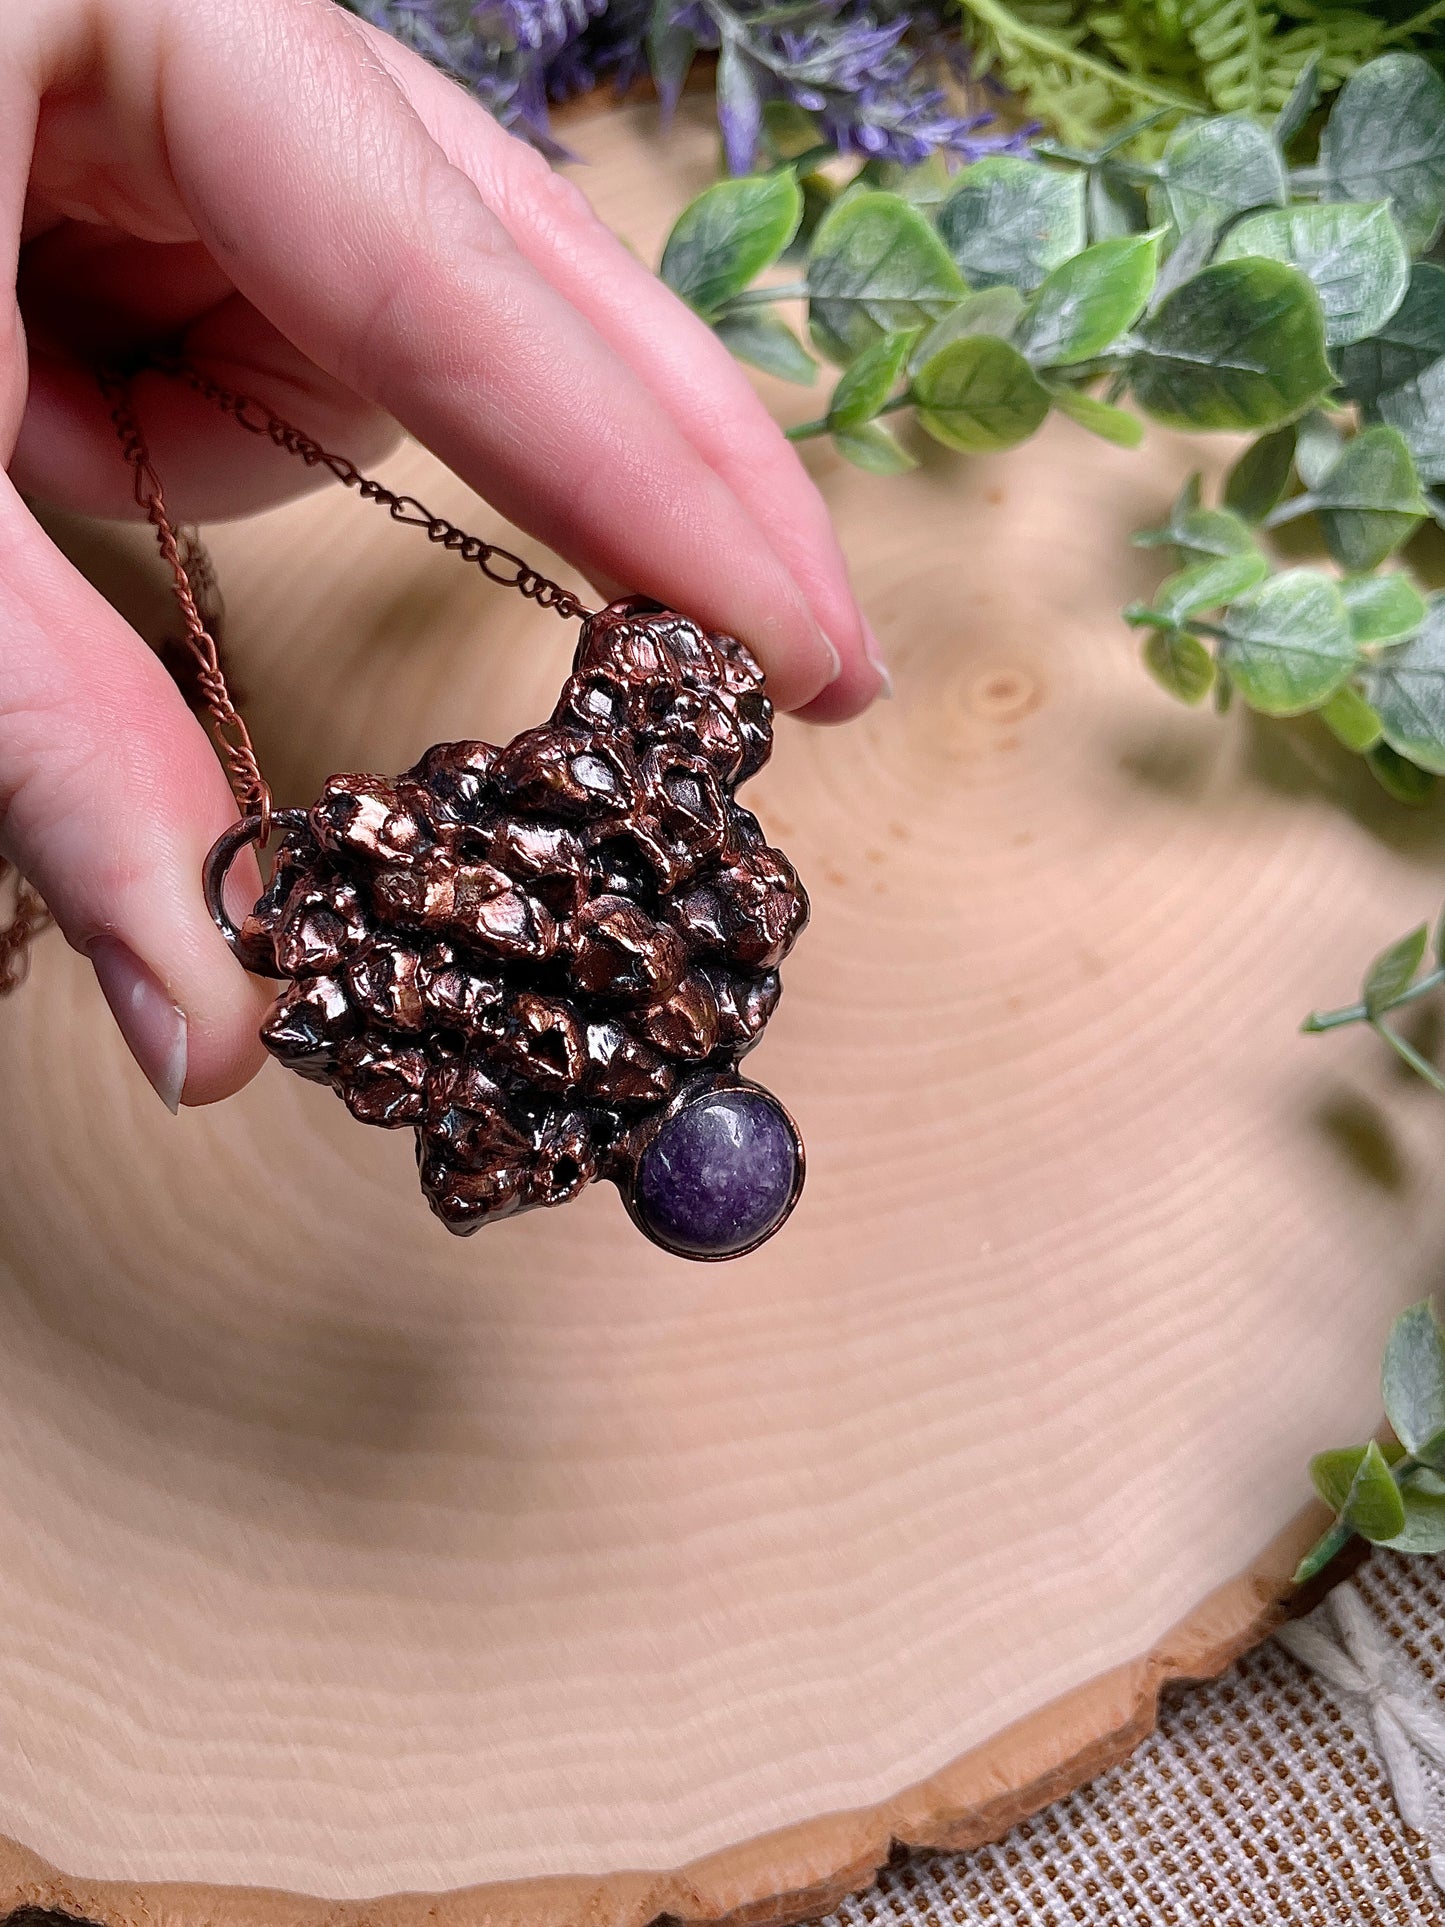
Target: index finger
682,361
312,180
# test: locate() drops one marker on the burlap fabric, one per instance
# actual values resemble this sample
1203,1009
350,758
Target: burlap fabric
1305,1786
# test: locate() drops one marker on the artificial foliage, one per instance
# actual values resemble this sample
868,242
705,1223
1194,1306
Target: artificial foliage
908,78
1392,1491
879,78
1081,66
1265,275
1227,285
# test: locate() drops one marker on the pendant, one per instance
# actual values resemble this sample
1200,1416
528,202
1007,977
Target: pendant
549,959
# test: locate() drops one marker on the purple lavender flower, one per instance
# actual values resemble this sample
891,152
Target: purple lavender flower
870,82
868,73
500,49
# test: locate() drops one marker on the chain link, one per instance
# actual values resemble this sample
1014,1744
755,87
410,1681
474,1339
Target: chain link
27,918
499,565
194,586
250,788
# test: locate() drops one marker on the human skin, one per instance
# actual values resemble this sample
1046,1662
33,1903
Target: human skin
328,224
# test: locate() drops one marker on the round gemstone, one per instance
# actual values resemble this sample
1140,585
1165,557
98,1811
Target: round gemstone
720,1175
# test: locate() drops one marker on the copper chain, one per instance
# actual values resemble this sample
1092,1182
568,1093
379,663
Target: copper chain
499,565
193,583
27,918
252,792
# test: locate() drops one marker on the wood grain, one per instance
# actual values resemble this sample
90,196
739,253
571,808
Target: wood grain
342,1557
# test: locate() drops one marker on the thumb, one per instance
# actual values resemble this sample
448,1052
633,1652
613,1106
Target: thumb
110,797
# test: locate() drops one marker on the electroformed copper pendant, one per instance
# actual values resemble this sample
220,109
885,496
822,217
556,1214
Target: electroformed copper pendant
549,959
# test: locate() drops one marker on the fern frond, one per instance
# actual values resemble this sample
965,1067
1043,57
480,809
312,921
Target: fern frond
1343,37
1013,28
1231,39
1041,50
1148,39
1085,67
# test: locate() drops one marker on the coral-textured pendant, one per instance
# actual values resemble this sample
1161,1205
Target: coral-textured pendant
549,959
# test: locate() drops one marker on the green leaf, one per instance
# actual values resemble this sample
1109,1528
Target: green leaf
1189,254
1207,585
726,237
867,383
1088,302
1351,719
873,448
1322,1553
1181,663
1114,206
1407,686
766,341
1012,220
1391,972
1417,410
1399,777
1401,350
1385,140
1333,1473
1240,346
1212,532
1259,478
1383,608
1353,255
1199,531
992,311
1424,1527
1369,502
1101,418
790,132
1300,104
1373,1506
1412,1377
1218,167
1317,447
979,393
876,266
925,185
1287,645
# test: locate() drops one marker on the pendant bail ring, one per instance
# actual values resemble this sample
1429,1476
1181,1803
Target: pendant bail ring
222,854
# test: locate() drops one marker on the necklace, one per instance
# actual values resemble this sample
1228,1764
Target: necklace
548,958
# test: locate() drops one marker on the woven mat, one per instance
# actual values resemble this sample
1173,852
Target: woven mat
1305,1786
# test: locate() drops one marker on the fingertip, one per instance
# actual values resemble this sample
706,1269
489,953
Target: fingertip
196,1040
799,660
226,1049
856,689
113,797
224,1016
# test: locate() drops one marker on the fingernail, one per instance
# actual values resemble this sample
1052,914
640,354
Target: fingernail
873,650
835,658
152,1026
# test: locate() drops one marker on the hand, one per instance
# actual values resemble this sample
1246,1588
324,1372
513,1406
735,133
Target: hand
336,229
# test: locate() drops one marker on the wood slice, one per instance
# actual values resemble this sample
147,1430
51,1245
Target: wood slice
551,1578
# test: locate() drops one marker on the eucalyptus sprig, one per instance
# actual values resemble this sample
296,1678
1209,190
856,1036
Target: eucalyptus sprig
1223,286
1392,1493
1393,982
